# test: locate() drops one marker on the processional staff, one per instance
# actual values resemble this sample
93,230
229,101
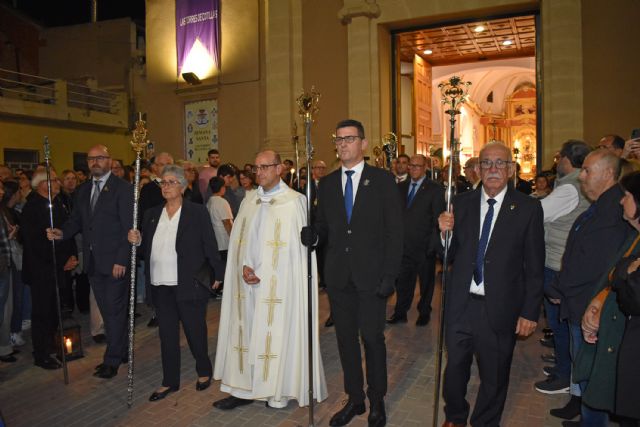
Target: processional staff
307,107
47,157
138,143
454,94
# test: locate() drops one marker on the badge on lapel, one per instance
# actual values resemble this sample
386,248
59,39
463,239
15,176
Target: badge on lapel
365,183
512,206
105,188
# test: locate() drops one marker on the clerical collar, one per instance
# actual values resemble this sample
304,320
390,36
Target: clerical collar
102,178
268,195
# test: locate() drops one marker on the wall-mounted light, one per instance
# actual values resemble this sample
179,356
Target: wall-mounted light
191,78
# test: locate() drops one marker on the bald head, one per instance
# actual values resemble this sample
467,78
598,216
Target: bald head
319,169
268,166
99,160
160,161
600,171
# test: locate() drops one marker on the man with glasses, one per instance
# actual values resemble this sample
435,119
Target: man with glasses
103,213
359,221
613,143
262,337
494,291
470,172
423,201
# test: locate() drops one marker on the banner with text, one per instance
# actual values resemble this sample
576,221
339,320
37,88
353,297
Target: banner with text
197,35
201,129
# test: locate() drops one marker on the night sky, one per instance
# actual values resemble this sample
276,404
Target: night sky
68,12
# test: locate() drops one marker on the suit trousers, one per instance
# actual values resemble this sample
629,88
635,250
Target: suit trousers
111,295
471,335
360,314
410,270
193,315
44,315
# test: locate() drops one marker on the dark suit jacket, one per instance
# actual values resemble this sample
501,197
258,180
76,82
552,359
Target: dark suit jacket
421,234
150,196
369,249
195,246
37,261
104,231
590,253
514,259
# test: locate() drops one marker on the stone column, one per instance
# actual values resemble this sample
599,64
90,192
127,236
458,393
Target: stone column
364,92
283,76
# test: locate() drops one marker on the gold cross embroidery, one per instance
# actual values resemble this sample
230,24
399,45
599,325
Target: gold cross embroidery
271,301
239,297
240,240
267,356
240,349
276,244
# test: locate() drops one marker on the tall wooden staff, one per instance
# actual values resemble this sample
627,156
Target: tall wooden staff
47,157
307,107
454,93
138,143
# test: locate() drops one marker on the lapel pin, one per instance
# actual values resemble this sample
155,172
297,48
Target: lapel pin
512,207
105,188
366,182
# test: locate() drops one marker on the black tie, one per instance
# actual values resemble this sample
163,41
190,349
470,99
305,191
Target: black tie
96,194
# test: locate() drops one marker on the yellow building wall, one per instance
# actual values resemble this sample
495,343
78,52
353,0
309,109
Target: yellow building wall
63,141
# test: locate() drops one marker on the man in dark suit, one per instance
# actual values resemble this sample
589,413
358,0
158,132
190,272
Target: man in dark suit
495,288
103,213
360,222
423,201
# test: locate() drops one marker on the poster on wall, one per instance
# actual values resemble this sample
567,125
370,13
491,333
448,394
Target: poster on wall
201,129
197,35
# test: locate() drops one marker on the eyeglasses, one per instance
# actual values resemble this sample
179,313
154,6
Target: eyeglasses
413,165
499,164
168,183
349,139
97,158
262,168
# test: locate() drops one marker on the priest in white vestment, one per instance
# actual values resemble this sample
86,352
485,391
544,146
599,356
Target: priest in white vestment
262,351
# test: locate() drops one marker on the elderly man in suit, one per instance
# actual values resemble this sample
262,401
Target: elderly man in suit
103,213
423,201
495,288
360,222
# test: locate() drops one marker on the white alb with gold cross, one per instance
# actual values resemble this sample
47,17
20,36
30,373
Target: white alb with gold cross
262,340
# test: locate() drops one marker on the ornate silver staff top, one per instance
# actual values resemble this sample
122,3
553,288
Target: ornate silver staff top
308,104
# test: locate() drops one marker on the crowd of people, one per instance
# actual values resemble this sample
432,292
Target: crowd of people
563,244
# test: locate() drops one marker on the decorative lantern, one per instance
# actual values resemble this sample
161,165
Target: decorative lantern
72,340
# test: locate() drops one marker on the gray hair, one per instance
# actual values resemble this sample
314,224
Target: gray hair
176,171
38,177
496,144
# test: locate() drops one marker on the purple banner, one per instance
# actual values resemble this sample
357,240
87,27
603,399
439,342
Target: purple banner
198,20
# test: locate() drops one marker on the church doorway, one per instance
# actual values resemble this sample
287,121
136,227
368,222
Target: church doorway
498,56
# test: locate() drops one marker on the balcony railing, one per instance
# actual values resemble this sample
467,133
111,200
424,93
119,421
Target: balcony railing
40,97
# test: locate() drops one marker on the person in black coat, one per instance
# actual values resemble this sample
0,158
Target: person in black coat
103,213
422,201
360,222
494,290
37,265
180,253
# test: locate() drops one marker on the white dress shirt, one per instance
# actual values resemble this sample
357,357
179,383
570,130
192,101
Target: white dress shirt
478,288
561,201
164,258
355,178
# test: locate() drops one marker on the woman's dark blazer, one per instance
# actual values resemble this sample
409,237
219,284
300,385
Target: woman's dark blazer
195,246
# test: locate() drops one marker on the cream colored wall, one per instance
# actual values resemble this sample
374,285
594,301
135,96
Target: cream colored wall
611,50
237,87
324,44
64,141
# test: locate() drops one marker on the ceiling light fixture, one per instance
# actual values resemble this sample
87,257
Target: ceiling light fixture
479,29
428,52
507,43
